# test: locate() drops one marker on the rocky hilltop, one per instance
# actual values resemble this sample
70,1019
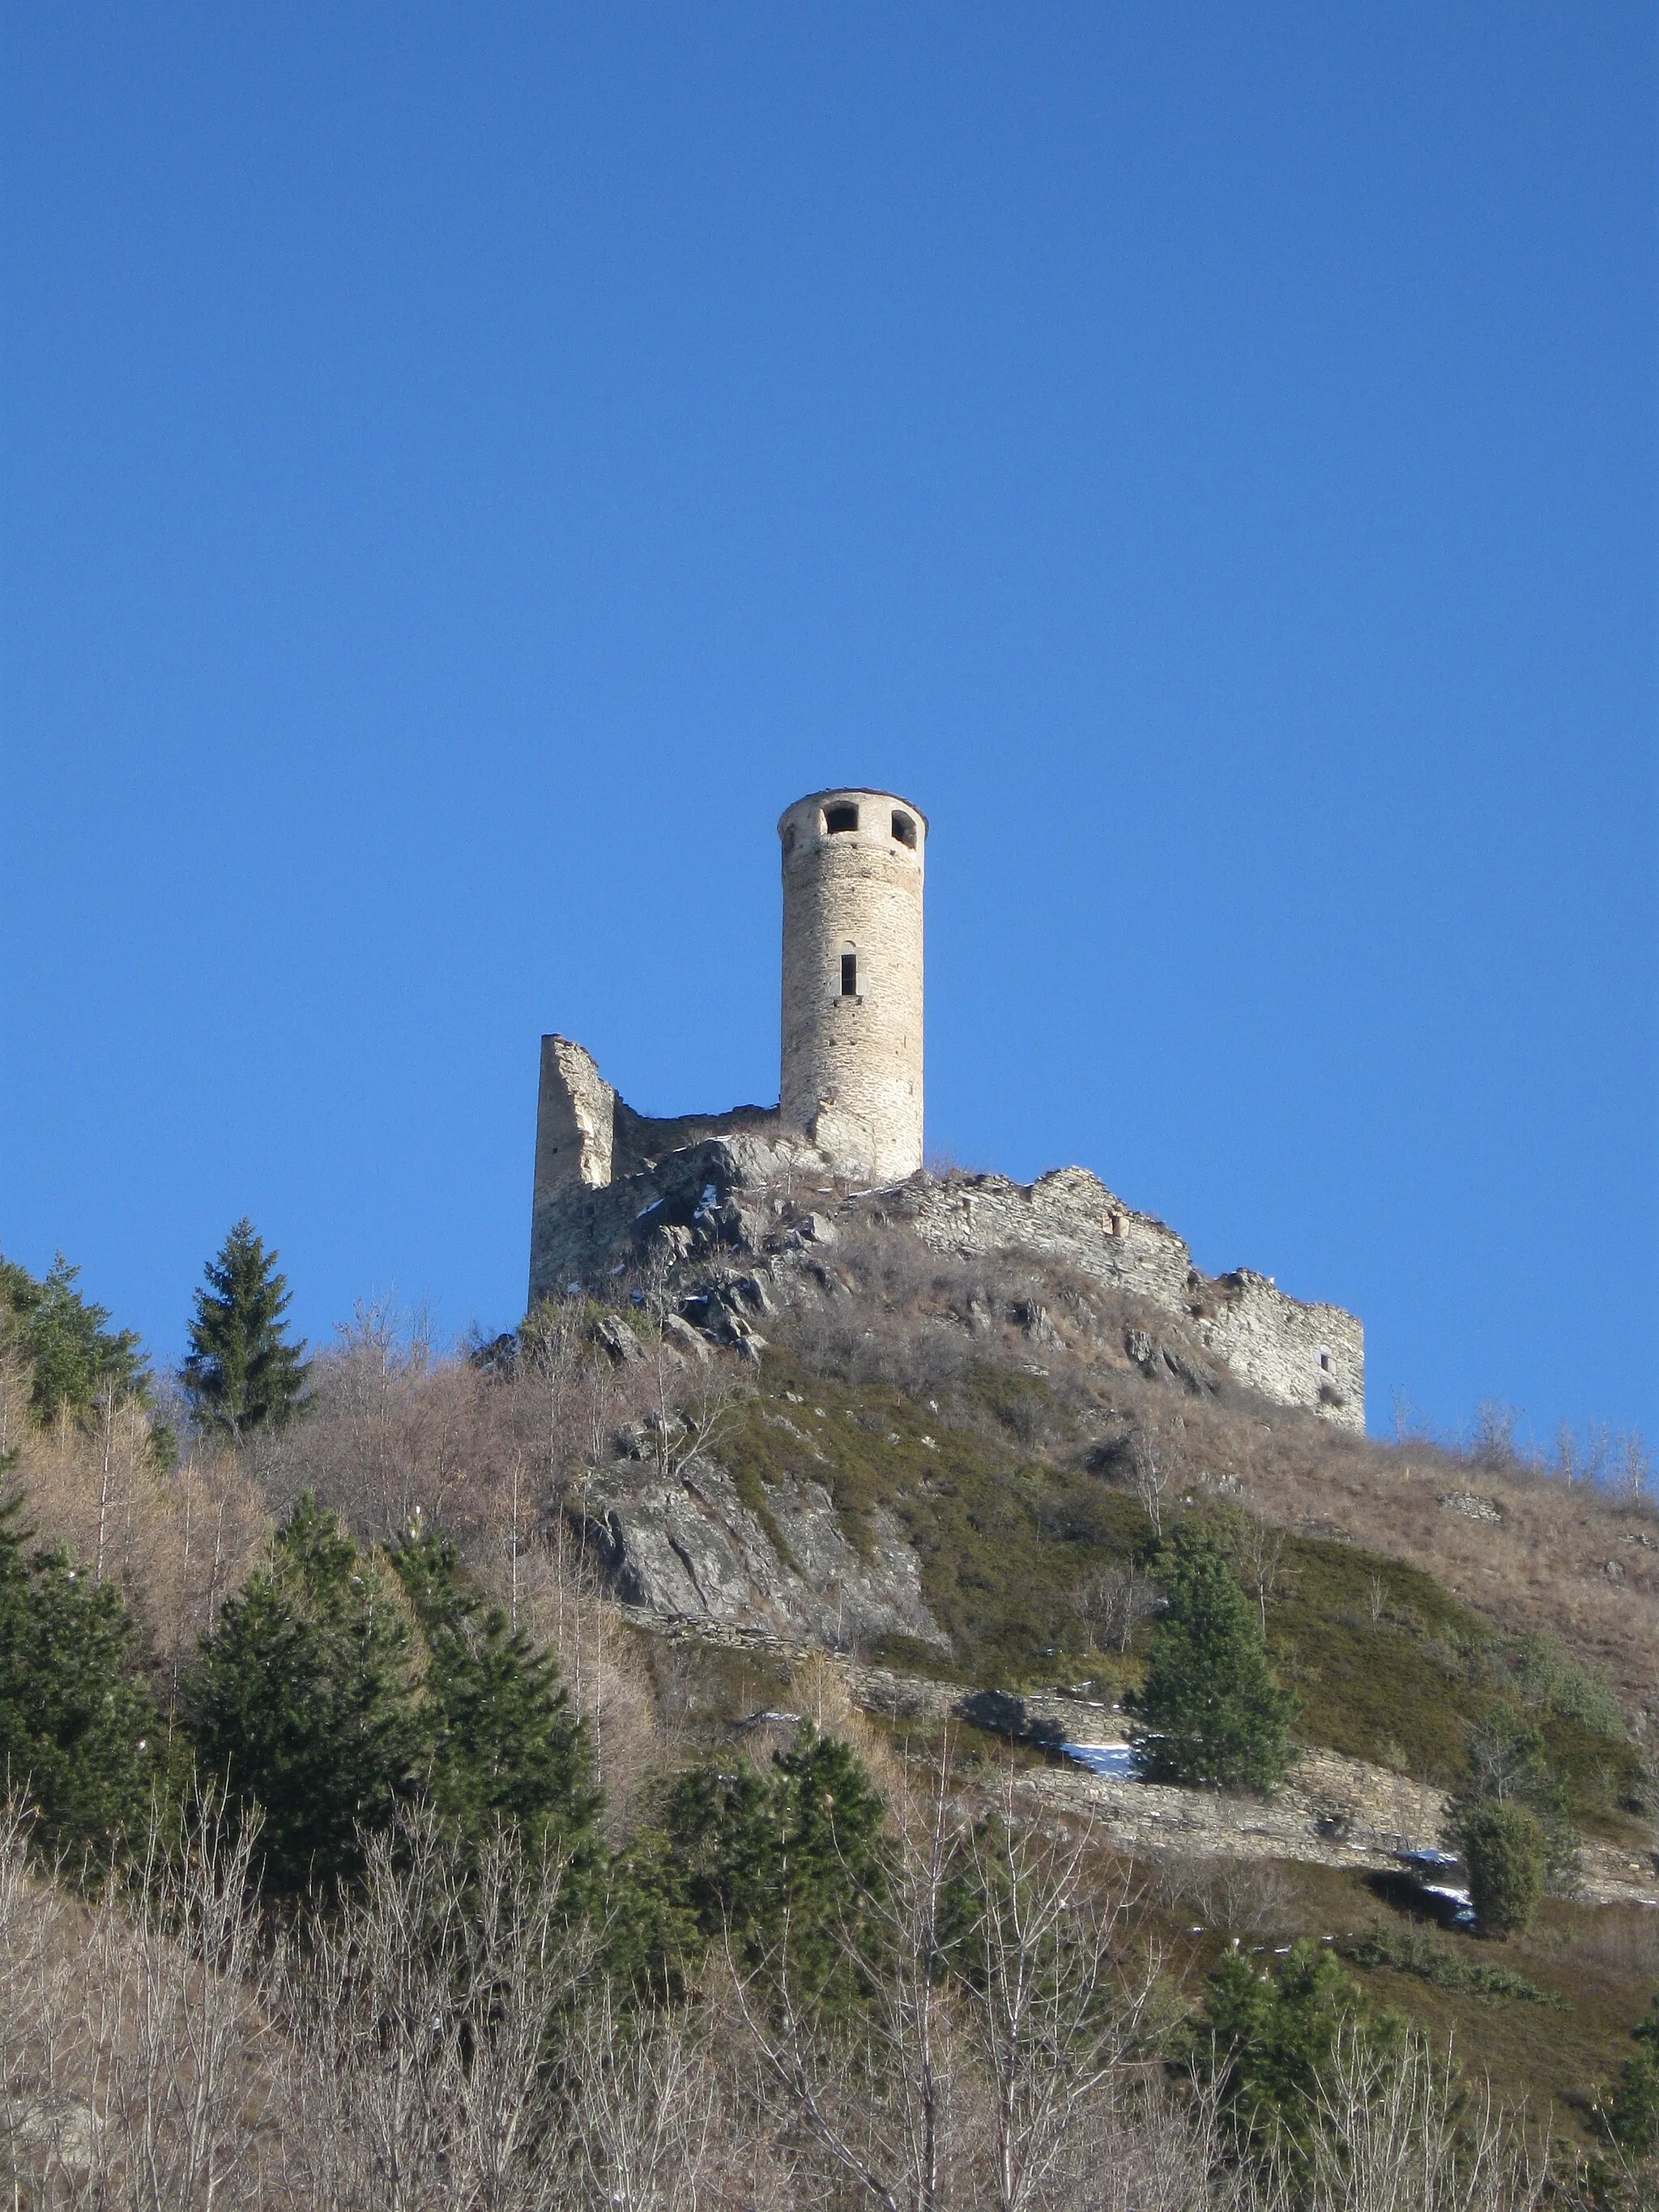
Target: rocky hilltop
731,1216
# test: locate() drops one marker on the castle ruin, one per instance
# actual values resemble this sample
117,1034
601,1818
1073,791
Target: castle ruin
612,1185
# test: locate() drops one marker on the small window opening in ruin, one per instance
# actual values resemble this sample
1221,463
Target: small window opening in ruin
905,831
1325,1362
837,819
849,975
789,839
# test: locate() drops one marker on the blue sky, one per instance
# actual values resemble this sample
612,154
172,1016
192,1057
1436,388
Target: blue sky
465,469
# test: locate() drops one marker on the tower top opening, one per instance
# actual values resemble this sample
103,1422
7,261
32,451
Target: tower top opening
874,817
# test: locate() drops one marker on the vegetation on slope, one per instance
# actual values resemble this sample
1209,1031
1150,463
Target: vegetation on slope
1388,1665
1019,1488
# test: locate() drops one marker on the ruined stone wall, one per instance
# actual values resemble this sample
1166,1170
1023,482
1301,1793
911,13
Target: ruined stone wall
575,1115
1068,1215
1302,1355
588,1138
851,1058
642,1140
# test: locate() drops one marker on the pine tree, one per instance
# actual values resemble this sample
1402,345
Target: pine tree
797,1848
241,1373
78,1735
1273,2035
1210,1707
306,1701
73,1357
505,1745
1503,1846
1505,1763
1631,2116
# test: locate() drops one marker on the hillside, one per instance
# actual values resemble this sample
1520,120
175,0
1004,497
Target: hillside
920,1497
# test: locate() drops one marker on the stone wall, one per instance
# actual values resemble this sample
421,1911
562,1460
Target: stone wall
575,1109
1302,1355
588,1141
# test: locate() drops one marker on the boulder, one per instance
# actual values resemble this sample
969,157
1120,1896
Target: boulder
612,1331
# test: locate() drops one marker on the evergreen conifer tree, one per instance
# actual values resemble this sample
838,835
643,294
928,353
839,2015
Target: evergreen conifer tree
1630,2116
1210,1709
73,1357
799,1847
306,1701
505,1745
241,1372
1502,1845
1273,2035
1505,1763
78,1735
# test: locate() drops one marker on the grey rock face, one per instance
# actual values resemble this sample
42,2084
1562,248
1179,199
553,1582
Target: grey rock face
619,1341
688,1549
683,1338
1037,1321
744,1195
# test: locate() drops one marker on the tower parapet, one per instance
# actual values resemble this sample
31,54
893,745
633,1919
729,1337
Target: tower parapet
852,1014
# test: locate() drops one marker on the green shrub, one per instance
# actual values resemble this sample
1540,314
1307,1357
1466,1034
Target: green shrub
1576,1692
1503,1846
1415,1950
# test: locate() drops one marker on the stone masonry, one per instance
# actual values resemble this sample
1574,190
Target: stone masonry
1302,1355
853,863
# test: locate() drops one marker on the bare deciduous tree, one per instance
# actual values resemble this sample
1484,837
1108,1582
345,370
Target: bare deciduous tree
143,2083
418,2018
644,2108
1114,1601
875,2099
1398,2135
1256,1547
1057,2002
1150,1475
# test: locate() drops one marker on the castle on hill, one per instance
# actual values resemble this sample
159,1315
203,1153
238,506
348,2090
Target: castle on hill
612,1185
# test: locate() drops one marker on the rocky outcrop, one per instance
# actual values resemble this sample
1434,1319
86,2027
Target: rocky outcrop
1331,1811
725,1186
681,1546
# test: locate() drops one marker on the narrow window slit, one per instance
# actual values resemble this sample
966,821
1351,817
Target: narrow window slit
849,975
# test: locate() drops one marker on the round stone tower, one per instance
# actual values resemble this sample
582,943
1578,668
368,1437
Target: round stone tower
852,980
